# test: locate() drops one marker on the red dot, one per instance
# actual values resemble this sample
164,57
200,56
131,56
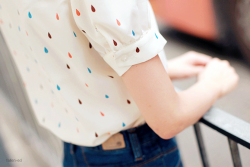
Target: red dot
69,55
78,13
118,22
57,16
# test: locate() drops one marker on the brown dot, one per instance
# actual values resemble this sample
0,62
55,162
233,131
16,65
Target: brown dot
137,50
111,76
68,66
83,31
96,135
80,102
92,8
49,35
90,45
128,101
115,43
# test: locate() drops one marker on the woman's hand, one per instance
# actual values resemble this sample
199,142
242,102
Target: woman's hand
187,65
220,75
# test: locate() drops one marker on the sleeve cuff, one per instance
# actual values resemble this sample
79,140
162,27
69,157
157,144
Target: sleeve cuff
142,50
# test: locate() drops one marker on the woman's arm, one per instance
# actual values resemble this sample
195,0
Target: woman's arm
168,112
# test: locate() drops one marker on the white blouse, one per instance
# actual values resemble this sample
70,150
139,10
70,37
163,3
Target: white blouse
71,55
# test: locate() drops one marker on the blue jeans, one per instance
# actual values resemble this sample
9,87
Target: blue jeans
143,148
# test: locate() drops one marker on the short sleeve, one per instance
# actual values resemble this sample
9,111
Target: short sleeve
119,30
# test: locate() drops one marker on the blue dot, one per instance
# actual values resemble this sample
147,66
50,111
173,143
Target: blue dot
30,16
59,125
35,60
106,96
123,124
74,34
156,36
36,101
58,87
46,50
89,70
77,119
133,33
52,91
28,69
19,28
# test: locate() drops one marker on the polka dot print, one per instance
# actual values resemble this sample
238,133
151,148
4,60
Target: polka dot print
29,14
80,102
63,62
70,56
57,16
115,43
118,23
92,8
137,50
78,13
156,36
49,35
46,50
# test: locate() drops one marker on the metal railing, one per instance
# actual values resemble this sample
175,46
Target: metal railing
237,130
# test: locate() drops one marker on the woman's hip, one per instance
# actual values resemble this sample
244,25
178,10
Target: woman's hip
138,146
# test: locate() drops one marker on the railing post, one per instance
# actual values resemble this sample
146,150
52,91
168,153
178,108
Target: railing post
235,153
201,145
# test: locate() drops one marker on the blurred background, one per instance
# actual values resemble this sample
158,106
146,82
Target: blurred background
216,28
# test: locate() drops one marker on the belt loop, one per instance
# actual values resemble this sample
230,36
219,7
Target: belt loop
135,144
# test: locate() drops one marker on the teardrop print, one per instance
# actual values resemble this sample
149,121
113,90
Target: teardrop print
102,114
96,135
90,45
57,16
83,31
118,23
115,43
111,76
92,8
69,55
80,102
49,35
68,66
78,13
128,101
137,50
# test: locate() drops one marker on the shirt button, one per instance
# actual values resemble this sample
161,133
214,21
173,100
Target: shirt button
124,58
